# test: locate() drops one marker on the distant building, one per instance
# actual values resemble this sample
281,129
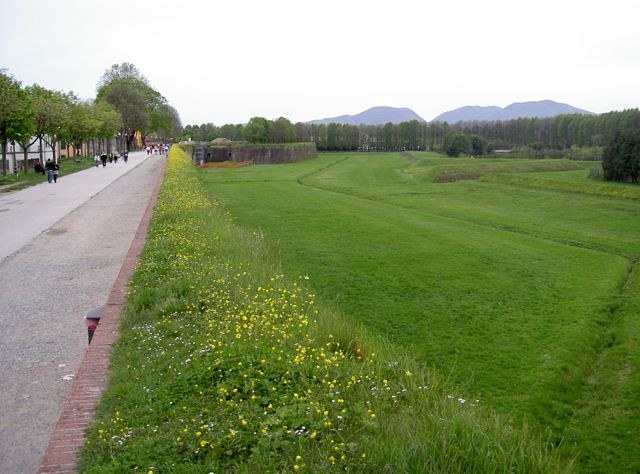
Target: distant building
15,154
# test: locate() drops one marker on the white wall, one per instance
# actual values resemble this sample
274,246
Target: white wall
33,153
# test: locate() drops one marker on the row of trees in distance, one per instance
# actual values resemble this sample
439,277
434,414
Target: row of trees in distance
125,104
560,132
257,130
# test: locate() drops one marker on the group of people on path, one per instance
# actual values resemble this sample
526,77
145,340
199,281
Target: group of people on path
51,169
111,157
158,148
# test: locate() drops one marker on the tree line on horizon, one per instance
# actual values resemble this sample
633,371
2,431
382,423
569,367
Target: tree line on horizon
125,105
560,132
614,135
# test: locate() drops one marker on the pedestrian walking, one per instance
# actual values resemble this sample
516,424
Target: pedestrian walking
56,171
125,155
49,167
103,158
96,158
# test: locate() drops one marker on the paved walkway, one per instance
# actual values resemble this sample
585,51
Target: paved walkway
61,248
27,213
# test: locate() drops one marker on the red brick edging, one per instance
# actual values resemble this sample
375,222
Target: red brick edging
90,380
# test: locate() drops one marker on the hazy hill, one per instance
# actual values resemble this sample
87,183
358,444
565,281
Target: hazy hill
542,108
374,116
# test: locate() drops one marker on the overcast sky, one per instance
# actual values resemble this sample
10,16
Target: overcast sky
229,60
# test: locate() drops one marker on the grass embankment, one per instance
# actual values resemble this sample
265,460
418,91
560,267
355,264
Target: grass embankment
228,363
30,178
469,168
524,293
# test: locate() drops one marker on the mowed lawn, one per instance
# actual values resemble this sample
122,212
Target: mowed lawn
520,284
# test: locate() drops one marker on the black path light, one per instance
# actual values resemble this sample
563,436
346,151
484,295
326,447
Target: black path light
92,319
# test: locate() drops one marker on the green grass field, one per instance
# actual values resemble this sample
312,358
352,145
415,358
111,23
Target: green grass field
229,362
515,279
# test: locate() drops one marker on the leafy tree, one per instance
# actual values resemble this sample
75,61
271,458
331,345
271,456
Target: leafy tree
458,143
16,115
303,132
257,130
189,133
230,131
160,120
621,158
176,123
390,136
106,120
281,131
332,136
350,137
478,146
130,102
368,137
142,108
319,135
89,120
206,132
51,112
80,125
409,134
165,120
124,71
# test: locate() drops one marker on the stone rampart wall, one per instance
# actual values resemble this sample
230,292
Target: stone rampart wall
261,154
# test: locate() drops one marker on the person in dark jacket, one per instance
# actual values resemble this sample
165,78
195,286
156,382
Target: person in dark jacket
38,167
49,167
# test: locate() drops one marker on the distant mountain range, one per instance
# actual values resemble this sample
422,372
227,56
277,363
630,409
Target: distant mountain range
374,116
542,108
382,115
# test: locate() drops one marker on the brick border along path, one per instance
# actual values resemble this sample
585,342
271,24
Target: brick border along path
79,407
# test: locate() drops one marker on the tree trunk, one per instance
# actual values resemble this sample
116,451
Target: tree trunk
53,147
25,149
52,143
13,155
130,139
4,157
40,150
26,158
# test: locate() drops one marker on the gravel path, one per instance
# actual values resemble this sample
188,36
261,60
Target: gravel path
46,289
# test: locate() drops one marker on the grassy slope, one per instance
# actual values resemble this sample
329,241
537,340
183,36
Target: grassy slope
491,282
224,364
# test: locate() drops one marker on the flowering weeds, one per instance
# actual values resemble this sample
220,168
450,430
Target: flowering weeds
225,363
